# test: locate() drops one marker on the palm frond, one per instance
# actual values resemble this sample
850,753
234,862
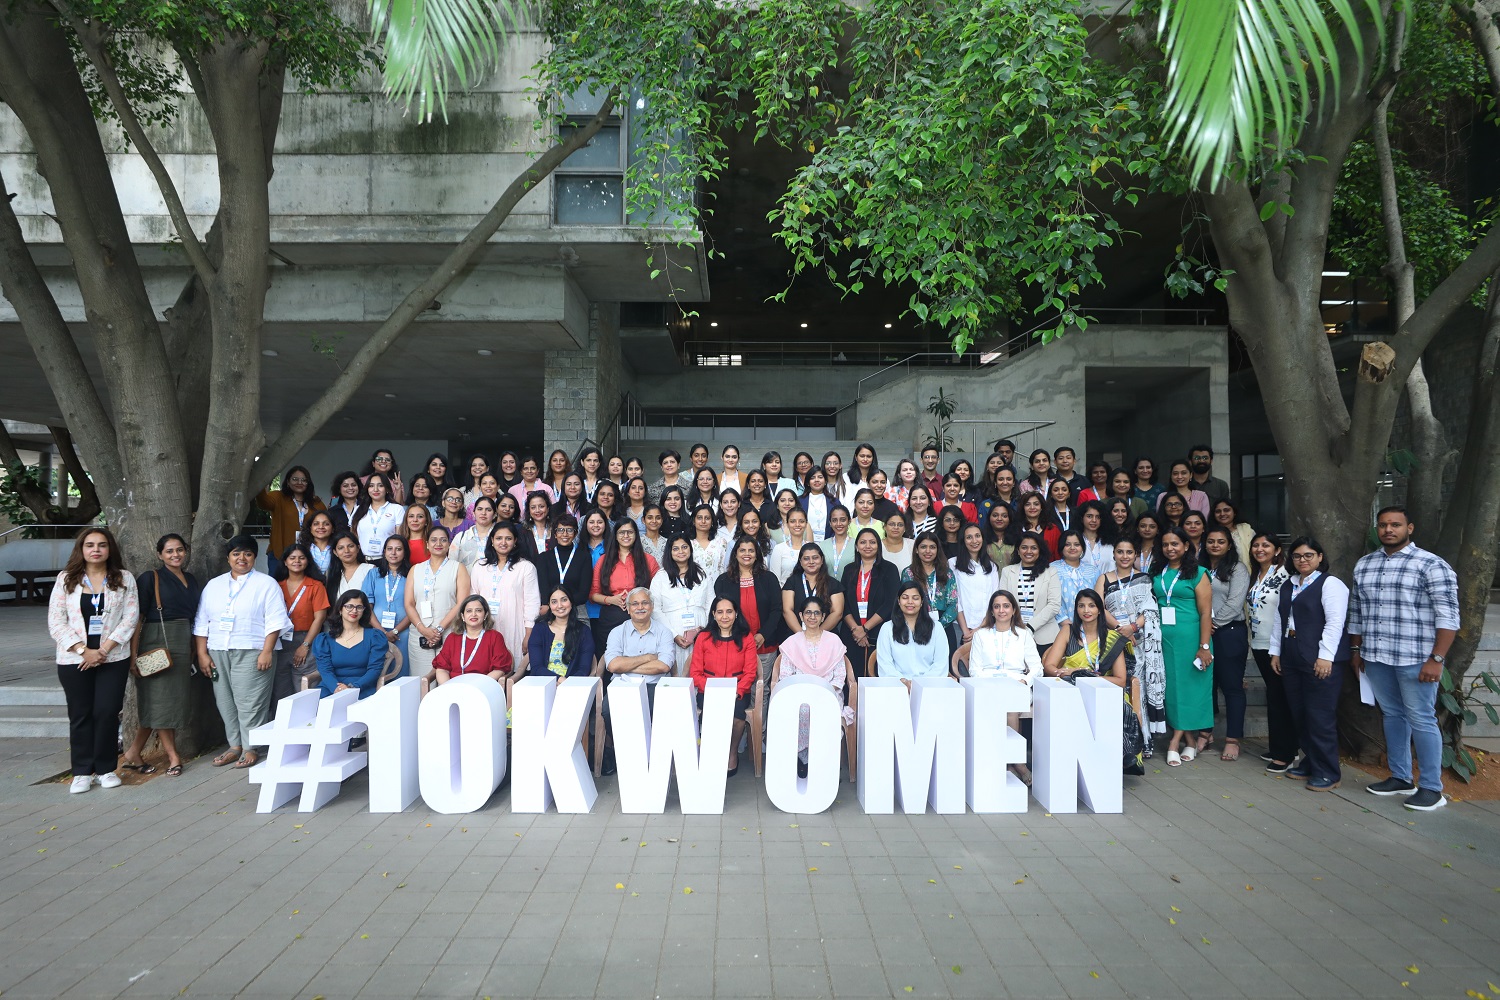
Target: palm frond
1241,70
430,42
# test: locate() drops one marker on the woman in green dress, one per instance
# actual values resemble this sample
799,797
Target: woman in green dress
1185,598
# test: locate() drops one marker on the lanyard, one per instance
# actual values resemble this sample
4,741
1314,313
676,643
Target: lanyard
301,511
98,598
862,585
562,570
806,590
1092,659
391,582
298,599
838,550
464,657
540,537
1307,581
1176,575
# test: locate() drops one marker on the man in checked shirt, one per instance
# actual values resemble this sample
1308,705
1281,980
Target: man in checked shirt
1403,614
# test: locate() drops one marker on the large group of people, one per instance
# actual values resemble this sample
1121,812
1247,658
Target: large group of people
758,572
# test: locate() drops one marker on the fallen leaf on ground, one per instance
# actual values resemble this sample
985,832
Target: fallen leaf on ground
687,891
619,885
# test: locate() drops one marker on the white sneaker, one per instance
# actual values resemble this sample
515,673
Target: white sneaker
109,780
81,783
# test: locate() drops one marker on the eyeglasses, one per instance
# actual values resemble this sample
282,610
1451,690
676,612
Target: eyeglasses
1304,556
812,613
382,461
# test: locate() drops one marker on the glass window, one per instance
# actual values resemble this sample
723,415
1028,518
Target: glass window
601,152
589,200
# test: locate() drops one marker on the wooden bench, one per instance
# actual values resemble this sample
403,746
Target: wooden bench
32,585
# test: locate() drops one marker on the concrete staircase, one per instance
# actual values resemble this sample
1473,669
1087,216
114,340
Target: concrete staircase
32,711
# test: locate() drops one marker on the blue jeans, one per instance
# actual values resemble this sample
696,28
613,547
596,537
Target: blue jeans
1409,710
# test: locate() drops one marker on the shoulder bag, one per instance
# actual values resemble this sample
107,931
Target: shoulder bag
149,662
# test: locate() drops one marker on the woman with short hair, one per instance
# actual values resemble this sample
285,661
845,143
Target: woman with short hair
473,647
811,577
813,652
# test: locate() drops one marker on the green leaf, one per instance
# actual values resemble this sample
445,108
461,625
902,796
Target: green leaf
1490,681
1493,714
427,41
1446,680
1267,210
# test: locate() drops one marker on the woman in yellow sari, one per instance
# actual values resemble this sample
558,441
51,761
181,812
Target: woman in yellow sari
1086,647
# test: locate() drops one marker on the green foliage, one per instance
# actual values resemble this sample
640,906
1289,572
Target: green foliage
426,41
13,507
977,154
942,407
1245,74
1454,713
149,42
1438,235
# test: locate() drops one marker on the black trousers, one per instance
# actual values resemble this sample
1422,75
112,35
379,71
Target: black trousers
1282,732
1314,704
1231,644
95,698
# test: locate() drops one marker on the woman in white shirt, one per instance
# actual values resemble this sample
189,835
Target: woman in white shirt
977,579
92,615
1004,647
468,545
681,593
708,547
1037,590
349,569
785,553
378,518
508,582
896,547
731,478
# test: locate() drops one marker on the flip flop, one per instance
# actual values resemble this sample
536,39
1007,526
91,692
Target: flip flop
247,761
227,757
142,768
1174,759
174,770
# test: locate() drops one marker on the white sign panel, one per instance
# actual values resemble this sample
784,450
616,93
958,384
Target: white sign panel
547,724
1078,739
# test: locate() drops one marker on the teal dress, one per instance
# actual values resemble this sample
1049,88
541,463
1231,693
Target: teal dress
1189,697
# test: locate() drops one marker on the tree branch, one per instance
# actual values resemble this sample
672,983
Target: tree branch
88,497
88,37
36,499
52,342
1241,240
343,388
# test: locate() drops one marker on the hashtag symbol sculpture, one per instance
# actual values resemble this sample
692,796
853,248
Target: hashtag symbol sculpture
308,742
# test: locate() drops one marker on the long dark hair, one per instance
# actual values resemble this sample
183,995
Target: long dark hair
1042,558
308,493
471,481
114,563
939,565
821,582
737,632
575,628
491,557
923,631
1189,561
447,471
611,559
334,625
312,572
369,468
305,535
854,473
962,562
1224,570
383,568
694,574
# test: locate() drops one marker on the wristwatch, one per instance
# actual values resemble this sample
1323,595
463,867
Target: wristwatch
1205,646
1439,659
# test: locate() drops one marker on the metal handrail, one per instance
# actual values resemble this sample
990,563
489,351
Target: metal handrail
23,527
627,399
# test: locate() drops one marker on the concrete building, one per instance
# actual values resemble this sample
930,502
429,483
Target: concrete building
559,334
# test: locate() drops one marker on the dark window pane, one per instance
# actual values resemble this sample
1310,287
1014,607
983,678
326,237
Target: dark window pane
589,201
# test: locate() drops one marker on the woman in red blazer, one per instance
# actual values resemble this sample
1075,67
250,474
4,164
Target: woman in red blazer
726,649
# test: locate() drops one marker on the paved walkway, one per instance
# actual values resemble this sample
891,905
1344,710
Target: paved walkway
177,887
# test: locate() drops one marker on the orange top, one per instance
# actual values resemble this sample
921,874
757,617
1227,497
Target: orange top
308,599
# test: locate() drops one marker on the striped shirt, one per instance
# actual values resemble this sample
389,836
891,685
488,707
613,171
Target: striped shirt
1398,603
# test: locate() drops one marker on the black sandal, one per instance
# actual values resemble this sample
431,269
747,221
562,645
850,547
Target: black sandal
141,768
174,770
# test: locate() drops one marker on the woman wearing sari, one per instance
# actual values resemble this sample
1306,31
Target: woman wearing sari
1086,647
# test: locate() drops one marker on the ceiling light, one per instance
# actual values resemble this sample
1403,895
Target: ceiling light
803,325
888,326
713,324
483,353
1335,274
390,395
462,419
270,353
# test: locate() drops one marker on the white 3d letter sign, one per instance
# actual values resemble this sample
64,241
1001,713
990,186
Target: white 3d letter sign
1078,738
547,724
940,745
651,743
911,746
793,696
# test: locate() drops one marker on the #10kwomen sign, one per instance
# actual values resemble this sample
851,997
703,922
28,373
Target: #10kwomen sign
942,745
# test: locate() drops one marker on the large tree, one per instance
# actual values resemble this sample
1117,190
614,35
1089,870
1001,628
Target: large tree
172,431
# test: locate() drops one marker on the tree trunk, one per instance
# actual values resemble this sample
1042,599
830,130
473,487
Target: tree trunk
1424,489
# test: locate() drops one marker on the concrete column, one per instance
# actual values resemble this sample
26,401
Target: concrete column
581,389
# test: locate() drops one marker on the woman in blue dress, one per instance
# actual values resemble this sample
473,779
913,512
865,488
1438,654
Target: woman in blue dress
386,589
351,650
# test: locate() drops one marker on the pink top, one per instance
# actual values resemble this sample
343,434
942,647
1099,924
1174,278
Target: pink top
797,657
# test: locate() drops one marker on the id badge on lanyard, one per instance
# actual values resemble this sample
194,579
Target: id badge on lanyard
388,618
1168,612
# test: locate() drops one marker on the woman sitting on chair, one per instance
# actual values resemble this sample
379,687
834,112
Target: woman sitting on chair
725,649
474,649
350,651
1086,647
818,653
911,644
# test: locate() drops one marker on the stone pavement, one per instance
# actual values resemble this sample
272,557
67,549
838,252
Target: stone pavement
177,887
